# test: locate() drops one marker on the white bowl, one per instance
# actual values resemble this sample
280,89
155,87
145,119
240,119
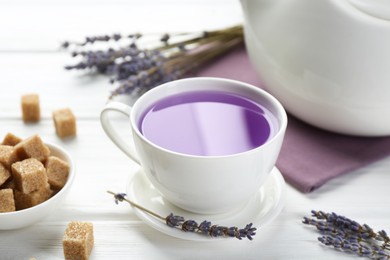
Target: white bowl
26,217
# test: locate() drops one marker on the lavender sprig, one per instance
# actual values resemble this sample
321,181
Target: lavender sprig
136,69
101,38
348,235
350,245
204,228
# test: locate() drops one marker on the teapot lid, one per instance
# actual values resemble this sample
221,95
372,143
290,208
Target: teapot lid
377,8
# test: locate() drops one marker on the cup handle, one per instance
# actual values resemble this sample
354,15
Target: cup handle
112,133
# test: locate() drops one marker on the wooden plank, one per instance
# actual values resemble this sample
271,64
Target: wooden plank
44,73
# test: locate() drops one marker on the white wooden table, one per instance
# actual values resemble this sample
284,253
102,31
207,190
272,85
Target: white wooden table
30,33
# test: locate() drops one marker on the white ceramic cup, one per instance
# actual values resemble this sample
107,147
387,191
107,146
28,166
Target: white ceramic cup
201,184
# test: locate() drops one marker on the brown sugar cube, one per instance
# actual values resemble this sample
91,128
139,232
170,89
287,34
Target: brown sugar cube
27,200
7,200
32,147
64,122
4,174
8,155
11,139
29,175
30,108
9,184
78,240
57,172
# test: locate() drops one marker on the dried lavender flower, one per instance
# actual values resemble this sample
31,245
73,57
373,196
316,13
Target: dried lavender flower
174,221
204,228
217,231
190,226
348,235
136,70
248,231
119,197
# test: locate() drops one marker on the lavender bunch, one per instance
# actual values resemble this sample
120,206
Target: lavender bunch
204,228
348,235
136,69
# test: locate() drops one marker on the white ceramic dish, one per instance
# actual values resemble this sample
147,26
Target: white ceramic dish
260,210
27,217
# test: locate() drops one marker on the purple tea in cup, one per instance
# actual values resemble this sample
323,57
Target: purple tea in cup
207,123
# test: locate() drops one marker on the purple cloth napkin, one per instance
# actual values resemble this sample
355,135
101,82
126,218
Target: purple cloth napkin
309,156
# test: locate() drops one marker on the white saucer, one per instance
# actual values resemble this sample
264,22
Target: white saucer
260,210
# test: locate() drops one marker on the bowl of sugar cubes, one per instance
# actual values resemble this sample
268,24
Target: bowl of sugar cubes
34,178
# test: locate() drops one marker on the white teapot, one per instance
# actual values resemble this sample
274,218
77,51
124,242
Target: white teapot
327,61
